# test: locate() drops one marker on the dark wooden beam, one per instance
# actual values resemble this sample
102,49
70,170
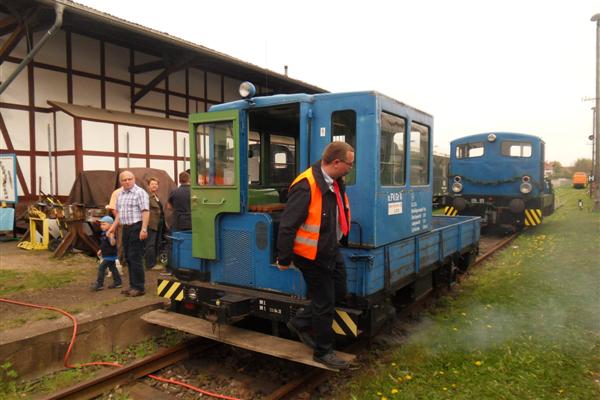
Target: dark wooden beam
12,42
147,67
183,63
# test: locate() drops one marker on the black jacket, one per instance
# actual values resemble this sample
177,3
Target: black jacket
296,212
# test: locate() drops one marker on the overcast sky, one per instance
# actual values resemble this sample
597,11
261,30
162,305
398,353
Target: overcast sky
477,66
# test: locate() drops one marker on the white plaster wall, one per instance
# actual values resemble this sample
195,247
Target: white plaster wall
117,61
177,103
42,171
41,131
3,145
165,165
85,54
98,163
17,92
137,139
214,86
153,113
196,82
66,175
54,51
231,87
117,97
133,162
17,124
161,142
152,100
86,91
97,136
49,85
196,106
65,131
177,82
25,165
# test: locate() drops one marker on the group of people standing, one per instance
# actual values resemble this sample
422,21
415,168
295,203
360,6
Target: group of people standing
141,217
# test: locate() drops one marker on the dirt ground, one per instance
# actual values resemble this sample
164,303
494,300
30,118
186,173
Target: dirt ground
34,276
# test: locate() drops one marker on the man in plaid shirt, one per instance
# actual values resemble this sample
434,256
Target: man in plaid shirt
132,212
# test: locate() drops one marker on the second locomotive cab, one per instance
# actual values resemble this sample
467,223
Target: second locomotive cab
499,176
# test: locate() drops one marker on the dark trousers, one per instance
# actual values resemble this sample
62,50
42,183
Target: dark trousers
152,246
133,252
326,286
110,264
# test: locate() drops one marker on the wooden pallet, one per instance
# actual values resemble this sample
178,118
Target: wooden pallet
243,338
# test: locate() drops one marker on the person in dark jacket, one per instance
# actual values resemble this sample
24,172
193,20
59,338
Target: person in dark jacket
155,223
179,201
316,218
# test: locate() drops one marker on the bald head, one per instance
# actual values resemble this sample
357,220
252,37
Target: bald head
127,180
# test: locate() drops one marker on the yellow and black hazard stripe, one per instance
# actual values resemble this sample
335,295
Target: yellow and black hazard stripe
345,323
450,211
533,216
170,290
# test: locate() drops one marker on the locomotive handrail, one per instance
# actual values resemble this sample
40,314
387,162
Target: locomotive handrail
210,203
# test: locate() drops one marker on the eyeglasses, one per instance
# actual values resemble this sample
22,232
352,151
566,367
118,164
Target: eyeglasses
347,163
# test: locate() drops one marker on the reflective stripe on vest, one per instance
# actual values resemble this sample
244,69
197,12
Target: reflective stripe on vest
307,235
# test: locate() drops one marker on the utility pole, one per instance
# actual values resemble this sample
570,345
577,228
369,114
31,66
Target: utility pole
596,183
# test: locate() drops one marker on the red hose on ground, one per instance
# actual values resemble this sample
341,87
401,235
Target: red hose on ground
110,364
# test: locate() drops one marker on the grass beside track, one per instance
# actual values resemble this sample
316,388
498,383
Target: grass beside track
525,325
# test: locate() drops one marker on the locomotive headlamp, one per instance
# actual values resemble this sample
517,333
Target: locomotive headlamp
526,188
526,178
491,137
247,90
457,178
192,294
457,187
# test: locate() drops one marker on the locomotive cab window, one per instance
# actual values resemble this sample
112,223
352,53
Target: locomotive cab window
469,150
516,149
391,151
343,129
419,154
215,158
272,146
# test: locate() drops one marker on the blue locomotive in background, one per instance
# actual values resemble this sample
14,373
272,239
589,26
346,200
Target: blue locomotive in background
499,176
244,156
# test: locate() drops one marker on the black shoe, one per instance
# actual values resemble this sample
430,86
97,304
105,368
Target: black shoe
303,336
95,287
332,361
115,286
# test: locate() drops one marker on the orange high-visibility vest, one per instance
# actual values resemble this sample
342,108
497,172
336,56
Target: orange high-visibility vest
307,235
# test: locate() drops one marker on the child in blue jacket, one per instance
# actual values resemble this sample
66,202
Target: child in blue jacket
108,252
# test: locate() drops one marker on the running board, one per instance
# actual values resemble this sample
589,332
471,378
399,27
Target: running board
243,338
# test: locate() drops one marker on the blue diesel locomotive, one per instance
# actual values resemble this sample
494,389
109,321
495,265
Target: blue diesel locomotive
500,177
244,156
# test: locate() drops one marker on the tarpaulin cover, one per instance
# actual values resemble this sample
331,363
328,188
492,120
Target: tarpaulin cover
93,188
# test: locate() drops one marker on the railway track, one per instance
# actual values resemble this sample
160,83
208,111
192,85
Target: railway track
300,384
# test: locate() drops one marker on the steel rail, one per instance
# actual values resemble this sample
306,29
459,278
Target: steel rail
108,380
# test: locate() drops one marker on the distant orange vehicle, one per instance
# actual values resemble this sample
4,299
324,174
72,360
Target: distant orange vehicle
580,180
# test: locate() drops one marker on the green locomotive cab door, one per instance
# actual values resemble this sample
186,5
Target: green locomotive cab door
215,177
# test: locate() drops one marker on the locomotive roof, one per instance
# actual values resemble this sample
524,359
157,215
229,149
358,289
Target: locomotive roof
265,101
499,135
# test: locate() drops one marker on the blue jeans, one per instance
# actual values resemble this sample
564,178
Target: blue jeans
133,252
110,264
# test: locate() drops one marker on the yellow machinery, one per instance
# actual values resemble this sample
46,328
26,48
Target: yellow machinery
33,244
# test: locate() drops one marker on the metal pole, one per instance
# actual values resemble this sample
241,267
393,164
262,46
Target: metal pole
50,160
596,18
